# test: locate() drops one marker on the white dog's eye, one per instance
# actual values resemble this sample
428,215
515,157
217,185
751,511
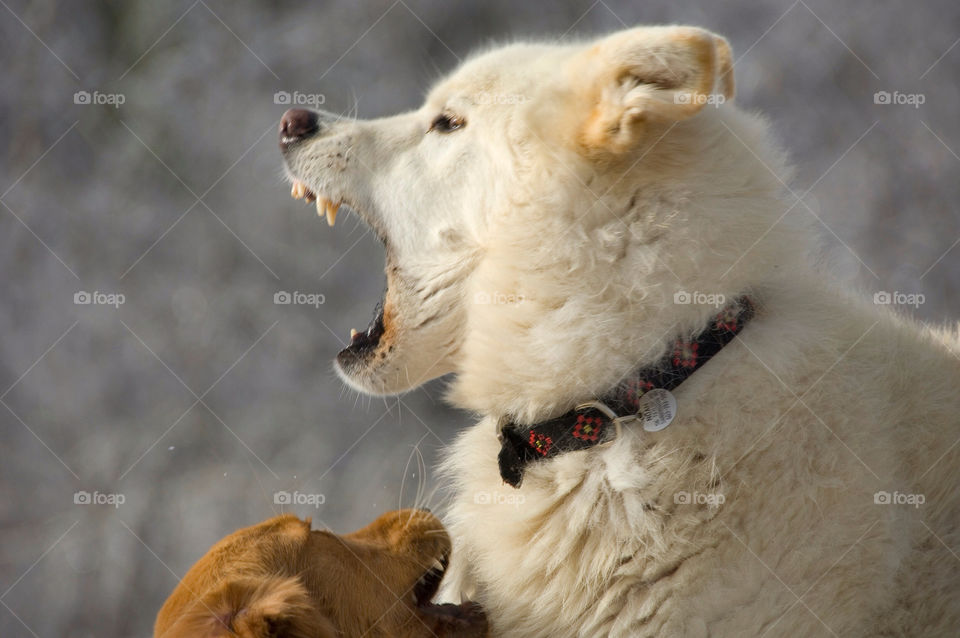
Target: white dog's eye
446,123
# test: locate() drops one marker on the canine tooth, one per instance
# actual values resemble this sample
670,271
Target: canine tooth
331,209
298,190
353,333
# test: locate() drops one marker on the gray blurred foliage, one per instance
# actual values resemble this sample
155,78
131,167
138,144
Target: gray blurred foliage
113,405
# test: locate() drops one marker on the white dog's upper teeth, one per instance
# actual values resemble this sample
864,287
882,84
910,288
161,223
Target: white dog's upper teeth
325,207
298,190
328,208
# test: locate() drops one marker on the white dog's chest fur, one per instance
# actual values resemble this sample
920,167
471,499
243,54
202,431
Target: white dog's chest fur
594,543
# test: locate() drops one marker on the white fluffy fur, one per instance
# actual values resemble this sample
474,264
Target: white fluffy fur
584,202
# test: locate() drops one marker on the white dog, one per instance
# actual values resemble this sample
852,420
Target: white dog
563,224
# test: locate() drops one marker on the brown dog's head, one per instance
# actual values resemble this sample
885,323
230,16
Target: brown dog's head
281,579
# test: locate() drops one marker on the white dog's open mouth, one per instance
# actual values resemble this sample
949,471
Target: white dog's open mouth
415,328
363,343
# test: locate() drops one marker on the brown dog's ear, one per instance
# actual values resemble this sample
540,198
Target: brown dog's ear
253,608
650,73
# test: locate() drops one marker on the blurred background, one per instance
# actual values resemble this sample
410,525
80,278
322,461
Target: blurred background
154,397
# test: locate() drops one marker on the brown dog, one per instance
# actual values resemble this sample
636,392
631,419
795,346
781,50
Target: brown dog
281,579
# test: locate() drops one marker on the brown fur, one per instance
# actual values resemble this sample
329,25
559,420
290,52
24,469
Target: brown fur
281,579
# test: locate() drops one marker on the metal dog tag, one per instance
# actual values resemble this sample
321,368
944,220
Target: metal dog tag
658,407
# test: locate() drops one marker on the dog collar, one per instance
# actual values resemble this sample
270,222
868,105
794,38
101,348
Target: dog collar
597,422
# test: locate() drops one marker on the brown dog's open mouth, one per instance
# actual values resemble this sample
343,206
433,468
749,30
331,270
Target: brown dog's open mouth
426,588
448,619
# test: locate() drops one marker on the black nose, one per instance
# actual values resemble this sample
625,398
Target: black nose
295,125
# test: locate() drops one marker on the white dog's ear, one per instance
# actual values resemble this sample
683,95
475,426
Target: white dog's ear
650,73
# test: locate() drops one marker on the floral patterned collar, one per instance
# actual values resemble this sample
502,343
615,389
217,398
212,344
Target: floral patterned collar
596,422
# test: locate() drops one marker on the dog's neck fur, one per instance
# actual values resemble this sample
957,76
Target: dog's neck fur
602,303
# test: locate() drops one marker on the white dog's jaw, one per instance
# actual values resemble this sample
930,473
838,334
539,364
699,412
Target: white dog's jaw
416,328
